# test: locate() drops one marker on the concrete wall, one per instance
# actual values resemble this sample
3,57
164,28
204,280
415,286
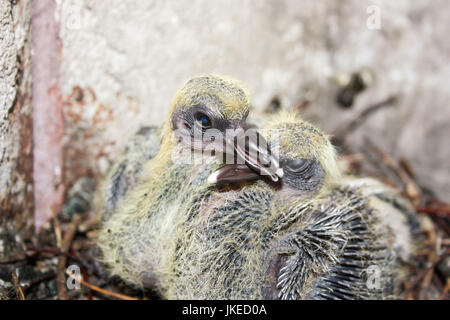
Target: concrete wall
16,162
123,60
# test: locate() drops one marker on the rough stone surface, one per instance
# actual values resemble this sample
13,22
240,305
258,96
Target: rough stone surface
16,166
123,60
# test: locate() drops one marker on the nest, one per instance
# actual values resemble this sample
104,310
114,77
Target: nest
61,262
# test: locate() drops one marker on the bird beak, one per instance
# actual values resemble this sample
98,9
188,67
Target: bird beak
250,157
232,173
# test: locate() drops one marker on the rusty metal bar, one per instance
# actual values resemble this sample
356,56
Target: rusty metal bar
47,111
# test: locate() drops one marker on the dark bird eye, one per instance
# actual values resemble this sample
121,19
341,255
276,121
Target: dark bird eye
204,120
297,166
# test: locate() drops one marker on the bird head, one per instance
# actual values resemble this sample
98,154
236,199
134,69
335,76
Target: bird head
208,114
305,153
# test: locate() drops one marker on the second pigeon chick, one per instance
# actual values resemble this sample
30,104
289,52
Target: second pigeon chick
313,235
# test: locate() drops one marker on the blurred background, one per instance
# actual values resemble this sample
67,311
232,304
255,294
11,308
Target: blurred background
79,77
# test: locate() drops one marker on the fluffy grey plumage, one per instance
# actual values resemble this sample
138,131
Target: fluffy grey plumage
251,244
126,172
139,234
313,235
347,238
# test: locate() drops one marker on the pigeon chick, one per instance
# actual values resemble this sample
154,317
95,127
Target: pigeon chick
205,113
365,230
312,235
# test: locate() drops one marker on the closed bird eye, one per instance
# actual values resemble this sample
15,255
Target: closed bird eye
302,174
297,166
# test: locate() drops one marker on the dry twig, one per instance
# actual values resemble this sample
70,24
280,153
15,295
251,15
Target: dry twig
51,252
446,290
90,223
424,273
341,133
412,190
98,289
17,287
57,228
433,209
